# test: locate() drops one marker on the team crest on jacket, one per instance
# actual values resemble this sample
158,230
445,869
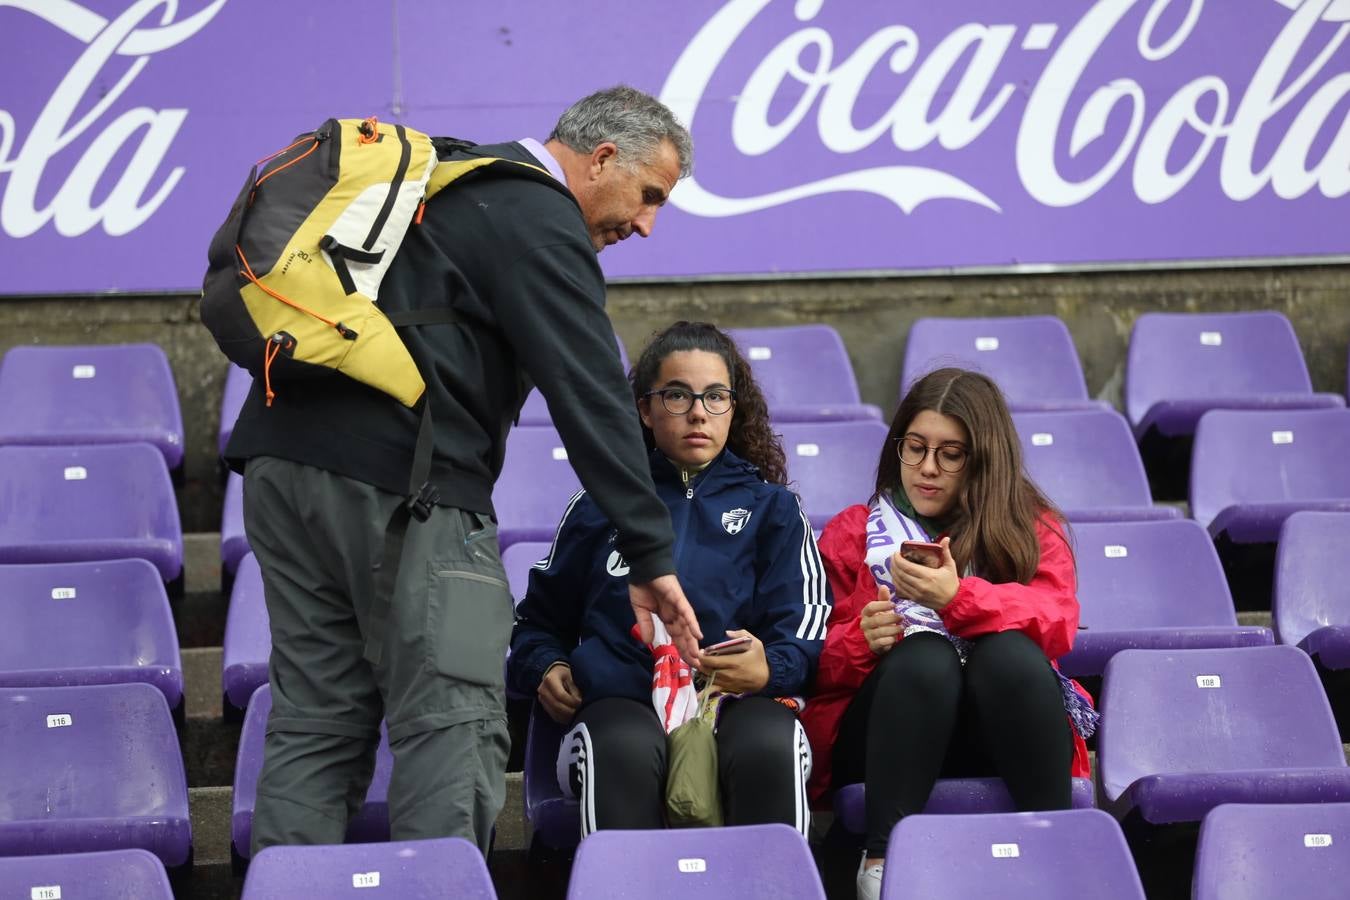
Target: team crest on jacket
616,565
735,520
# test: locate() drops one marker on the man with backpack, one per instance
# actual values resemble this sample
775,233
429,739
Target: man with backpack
388,600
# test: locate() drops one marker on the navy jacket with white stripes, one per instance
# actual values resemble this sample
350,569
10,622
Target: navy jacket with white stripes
746,558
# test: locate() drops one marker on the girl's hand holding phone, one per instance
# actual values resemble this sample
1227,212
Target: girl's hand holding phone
930,587
744,672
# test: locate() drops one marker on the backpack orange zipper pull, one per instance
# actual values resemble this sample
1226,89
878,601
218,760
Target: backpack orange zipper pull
274,346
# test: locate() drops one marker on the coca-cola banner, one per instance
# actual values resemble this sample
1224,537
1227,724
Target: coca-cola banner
830,135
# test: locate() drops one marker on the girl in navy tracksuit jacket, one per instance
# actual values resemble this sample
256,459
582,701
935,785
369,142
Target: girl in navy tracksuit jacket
748,562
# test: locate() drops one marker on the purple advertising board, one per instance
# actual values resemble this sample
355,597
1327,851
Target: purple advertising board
837,136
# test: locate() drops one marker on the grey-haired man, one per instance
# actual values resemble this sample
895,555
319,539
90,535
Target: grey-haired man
326,471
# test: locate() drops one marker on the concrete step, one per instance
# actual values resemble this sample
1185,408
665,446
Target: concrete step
209,808
201,561
200,613
1259,618
201,681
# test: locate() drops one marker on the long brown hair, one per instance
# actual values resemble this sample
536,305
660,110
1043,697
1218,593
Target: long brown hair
750,436
993,524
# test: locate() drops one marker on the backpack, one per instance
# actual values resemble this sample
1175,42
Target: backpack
294,272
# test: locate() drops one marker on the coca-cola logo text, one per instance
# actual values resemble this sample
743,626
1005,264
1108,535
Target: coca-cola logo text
1304,69
138,190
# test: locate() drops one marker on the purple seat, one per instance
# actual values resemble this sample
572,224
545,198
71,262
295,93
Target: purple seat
1258,851
1251,470
804,373
535,486
110,875
1031,358
681,863
1150,585
369,825
233,541
248,638
832,465
518,559
88,623
556,819
91,767
1311,603
535,410
1181,365
950,797
1087,463
238,381
70,504
1063,855
108,394
1185,730
406,870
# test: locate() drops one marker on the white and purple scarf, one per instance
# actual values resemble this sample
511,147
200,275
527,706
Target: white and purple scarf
887,527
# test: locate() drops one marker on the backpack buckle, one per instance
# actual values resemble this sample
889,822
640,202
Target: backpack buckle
421,504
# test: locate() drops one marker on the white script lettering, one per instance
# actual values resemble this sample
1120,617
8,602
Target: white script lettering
954,93
126,206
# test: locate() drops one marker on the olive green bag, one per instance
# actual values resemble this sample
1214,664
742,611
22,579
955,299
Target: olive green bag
693,796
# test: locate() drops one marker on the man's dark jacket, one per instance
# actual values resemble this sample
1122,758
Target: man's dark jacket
512,257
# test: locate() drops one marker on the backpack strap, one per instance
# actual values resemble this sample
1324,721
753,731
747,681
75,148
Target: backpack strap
421,500
441,315
451,170
422,497
340,254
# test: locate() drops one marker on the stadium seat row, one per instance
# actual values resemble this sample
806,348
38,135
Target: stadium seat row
1178,366
1246,852
98,767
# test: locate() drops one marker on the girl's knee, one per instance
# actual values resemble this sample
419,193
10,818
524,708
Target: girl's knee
1007,663
921,662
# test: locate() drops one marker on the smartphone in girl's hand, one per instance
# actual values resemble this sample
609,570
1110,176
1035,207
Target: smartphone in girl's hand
923,553
726,648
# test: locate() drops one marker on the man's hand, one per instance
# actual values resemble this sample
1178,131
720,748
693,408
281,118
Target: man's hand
664,597
558,694
738,673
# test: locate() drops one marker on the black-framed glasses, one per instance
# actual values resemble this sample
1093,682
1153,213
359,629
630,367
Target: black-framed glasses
678,401
950,458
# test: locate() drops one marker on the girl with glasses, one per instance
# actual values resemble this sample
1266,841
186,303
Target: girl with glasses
748,561
948,670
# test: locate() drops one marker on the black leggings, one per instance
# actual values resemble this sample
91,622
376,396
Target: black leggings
615,755
921,715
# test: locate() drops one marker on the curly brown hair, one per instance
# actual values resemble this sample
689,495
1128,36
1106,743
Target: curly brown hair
750,436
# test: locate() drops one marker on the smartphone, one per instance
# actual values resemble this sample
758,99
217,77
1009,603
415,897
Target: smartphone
726,648
923,553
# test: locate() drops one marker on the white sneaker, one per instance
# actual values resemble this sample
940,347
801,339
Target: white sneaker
869,879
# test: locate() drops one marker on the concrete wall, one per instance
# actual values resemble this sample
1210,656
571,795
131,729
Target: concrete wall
872,315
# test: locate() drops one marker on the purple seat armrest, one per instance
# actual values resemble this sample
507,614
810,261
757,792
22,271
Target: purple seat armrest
1259,523
1122,514
1092,649
1186,797
950,796
1330,644
1174,418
